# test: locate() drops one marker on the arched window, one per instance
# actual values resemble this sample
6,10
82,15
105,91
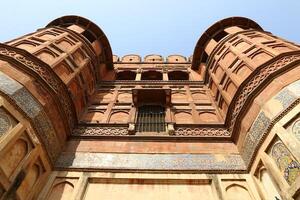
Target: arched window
178,75
152,75
126,75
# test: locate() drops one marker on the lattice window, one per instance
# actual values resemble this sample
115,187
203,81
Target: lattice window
151,118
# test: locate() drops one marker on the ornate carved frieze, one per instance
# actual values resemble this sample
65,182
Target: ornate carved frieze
100,131
123,131
202,132
28,63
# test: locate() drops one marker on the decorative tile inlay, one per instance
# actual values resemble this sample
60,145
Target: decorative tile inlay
119,161
285,97
260,125
7,121
254,136
202,132
34,111
27,102
123,131
287,164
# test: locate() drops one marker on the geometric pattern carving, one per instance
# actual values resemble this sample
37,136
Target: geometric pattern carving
254,136
123,131
202,132
100,131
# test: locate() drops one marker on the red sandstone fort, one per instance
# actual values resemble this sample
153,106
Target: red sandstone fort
77,122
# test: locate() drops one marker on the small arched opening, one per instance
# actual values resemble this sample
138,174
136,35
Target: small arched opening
178,75
152,75
126,75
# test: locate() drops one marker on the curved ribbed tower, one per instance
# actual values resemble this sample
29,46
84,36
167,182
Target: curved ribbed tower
47,78
77,122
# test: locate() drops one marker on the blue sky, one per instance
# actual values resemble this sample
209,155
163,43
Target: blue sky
151,26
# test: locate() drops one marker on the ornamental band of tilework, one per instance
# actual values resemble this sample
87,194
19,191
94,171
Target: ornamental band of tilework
181,162
26,103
